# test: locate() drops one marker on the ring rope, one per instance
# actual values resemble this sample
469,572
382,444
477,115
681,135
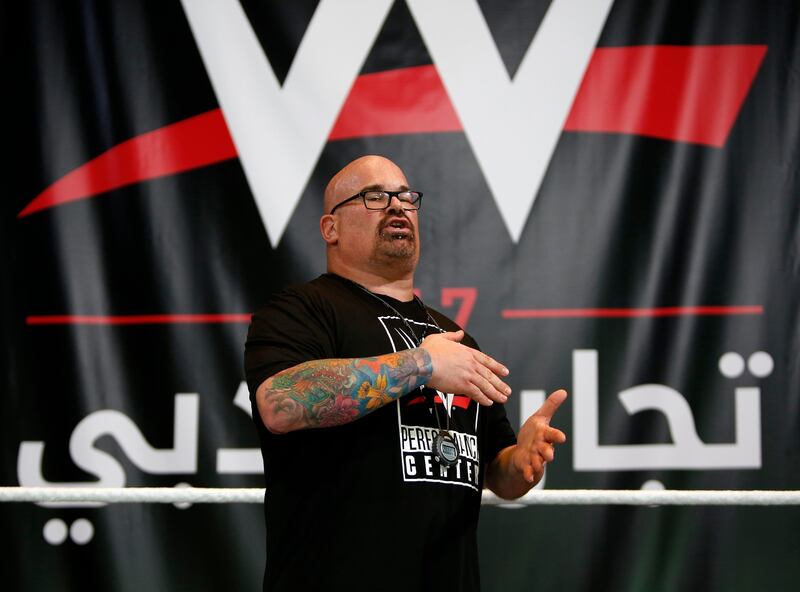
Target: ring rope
562,497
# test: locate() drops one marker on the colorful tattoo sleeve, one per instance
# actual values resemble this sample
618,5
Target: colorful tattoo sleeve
324,393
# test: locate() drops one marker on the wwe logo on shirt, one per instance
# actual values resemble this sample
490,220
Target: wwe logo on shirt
418,412
512,126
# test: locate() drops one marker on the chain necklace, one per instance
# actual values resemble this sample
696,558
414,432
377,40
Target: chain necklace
444,447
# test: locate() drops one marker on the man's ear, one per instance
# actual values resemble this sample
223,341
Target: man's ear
327,227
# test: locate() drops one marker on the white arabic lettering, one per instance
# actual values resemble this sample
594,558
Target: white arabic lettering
182,458
687,450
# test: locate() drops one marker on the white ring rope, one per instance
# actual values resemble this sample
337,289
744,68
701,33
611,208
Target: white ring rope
563,497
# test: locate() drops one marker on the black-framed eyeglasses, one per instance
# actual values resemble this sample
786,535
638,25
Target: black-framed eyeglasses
380,200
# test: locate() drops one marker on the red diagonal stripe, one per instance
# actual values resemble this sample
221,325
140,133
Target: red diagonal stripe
689,94
194,142
406,101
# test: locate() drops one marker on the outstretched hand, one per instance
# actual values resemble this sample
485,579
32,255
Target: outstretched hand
462,370
536,440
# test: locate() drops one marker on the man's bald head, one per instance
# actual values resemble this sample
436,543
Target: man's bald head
361,174
366,243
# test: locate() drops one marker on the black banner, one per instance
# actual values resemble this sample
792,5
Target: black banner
611,206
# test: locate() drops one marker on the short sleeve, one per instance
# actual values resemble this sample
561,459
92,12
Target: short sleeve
293,328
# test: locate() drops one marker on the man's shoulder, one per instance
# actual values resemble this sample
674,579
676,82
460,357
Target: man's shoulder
318,286
320,292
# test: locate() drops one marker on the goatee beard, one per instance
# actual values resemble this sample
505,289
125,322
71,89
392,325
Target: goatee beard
387,245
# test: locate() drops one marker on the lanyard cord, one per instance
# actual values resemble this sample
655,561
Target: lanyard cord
418,341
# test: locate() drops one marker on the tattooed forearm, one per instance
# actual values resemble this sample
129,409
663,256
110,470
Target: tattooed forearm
324,393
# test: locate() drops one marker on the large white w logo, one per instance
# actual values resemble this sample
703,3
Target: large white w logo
513,127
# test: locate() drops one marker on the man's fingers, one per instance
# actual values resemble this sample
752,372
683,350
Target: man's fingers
551,404
555,436
476,393
489,385
531,466
498,384
546,451
461,369
453,335
537,467
527,472
496,367
538,440
488,389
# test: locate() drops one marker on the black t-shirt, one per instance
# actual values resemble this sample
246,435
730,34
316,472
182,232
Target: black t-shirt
364,506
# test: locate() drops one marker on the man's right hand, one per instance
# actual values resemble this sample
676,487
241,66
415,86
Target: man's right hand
465,371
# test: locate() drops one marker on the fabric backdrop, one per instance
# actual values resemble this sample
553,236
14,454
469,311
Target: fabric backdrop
611,206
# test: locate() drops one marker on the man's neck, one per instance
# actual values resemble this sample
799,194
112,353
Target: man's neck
400,288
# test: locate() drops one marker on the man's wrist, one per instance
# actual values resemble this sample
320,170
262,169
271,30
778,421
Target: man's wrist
424,363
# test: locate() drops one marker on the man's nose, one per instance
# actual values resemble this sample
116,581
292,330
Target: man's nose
395,205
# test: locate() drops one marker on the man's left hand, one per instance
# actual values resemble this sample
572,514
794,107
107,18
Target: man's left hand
536,440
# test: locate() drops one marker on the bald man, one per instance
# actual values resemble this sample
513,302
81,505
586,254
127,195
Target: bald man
380,420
